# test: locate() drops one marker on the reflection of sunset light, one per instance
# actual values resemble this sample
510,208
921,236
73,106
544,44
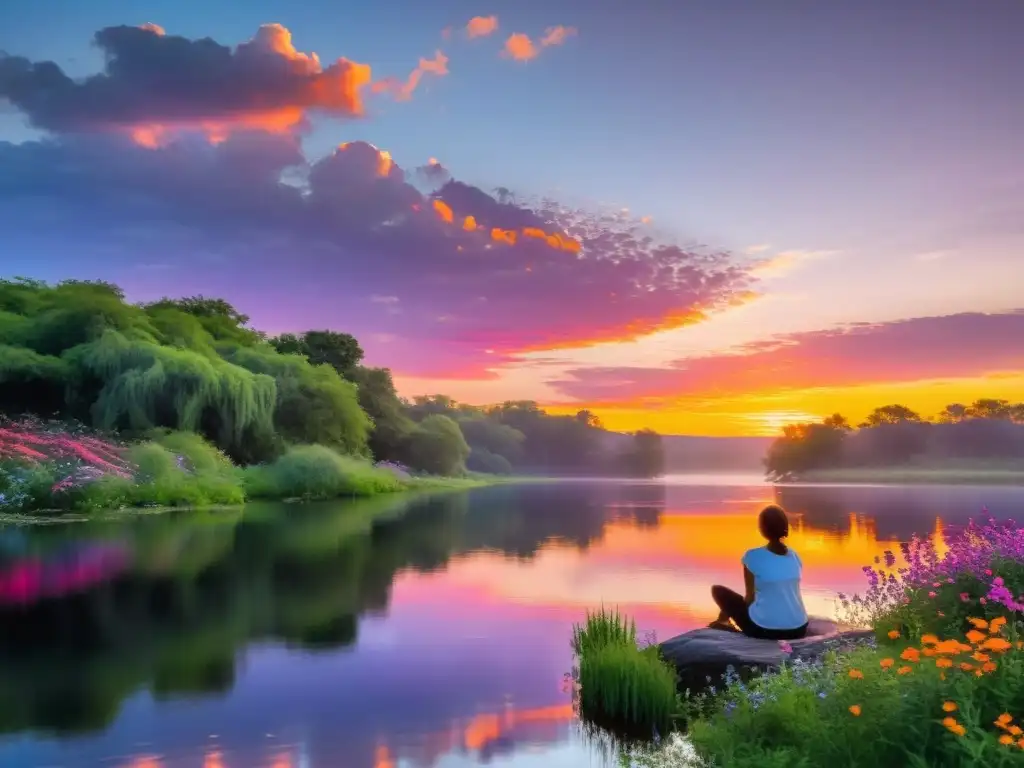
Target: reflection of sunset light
213,760
144,761
668,569
382,758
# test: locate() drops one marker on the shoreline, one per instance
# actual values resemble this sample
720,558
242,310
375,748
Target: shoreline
909,476
418,486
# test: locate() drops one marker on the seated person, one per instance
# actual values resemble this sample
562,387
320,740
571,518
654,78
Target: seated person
772,607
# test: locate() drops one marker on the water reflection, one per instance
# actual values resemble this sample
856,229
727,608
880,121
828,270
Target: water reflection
310,636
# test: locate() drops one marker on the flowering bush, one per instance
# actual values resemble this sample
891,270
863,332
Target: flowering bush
981,573
938,702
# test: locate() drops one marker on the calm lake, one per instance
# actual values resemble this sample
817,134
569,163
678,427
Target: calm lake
437,636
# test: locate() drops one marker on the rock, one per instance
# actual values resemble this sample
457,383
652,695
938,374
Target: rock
703,653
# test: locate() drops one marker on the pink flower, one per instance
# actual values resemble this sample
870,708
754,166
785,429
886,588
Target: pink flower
964,597
988,571
932,595
983,601
785,647
936,584
949,581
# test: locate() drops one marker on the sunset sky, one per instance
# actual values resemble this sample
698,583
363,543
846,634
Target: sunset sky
713,218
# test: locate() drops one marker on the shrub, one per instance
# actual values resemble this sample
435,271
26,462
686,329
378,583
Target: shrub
619,681
316,472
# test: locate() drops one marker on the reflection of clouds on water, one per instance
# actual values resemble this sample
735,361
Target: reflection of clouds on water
356,655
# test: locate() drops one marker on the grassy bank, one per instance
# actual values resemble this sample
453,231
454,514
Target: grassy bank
953,474
180,469
943,683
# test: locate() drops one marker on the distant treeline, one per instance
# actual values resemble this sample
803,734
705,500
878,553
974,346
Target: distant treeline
895,435
78,351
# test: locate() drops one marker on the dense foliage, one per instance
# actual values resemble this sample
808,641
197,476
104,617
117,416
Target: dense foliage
78,352
895,435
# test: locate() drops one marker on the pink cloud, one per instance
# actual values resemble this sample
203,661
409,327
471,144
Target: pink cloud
968,344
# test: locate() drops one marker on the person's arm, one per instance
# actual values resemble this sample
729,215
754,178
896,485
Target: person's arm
748,580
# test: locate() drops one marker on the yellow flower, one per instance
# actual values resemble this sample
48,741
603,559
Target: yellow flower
893,634
949,706
855,710
856,674
886,663
975,636
979,623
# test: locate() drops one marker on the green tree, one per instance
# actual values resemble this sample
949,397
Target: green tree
341,351
391,422
890,414
437,446
645,456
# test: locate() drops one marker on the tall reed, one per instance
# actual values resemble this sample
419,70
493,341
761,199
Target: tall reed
620,682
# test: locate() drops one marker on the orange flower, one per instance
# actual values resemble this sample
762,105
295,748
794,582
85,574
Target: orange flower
1015,730
905,670
966,666
910,654
944,663
1004,719
975,636
979,656
929,639
893,634
996,644
996,625
952,647
856,674
855,710
1020,644
1006,739
989,666
979,623
929,651
942,675
953,726
949,706
886,663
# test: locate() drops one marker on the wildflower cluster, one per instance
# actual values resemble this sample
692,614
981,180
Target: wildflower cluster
982,570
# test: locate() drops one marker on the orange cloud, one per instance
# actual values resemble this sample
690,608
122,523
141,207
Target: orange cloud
444,211
520,47
155,84
402,91
481,26
556,35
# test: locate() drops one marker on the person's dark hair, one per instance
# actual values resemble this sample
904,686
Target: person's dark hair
773,523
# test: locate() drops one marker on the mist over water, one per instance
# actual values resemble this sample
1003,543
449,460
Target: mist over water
305,636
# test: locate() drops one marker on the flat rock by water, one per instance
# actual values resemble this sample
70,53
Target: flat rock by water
703,653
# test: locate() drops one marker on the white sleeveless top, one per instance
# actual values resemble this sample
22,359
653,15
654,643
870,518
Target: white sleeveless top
777,601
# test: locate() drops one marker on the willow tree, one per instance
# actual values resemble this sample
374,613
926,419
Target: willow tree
31,383
314,403
144,385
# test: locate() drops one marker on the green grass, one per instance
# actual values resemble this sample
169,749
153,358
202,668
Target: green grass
953,473
181,470
620,683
